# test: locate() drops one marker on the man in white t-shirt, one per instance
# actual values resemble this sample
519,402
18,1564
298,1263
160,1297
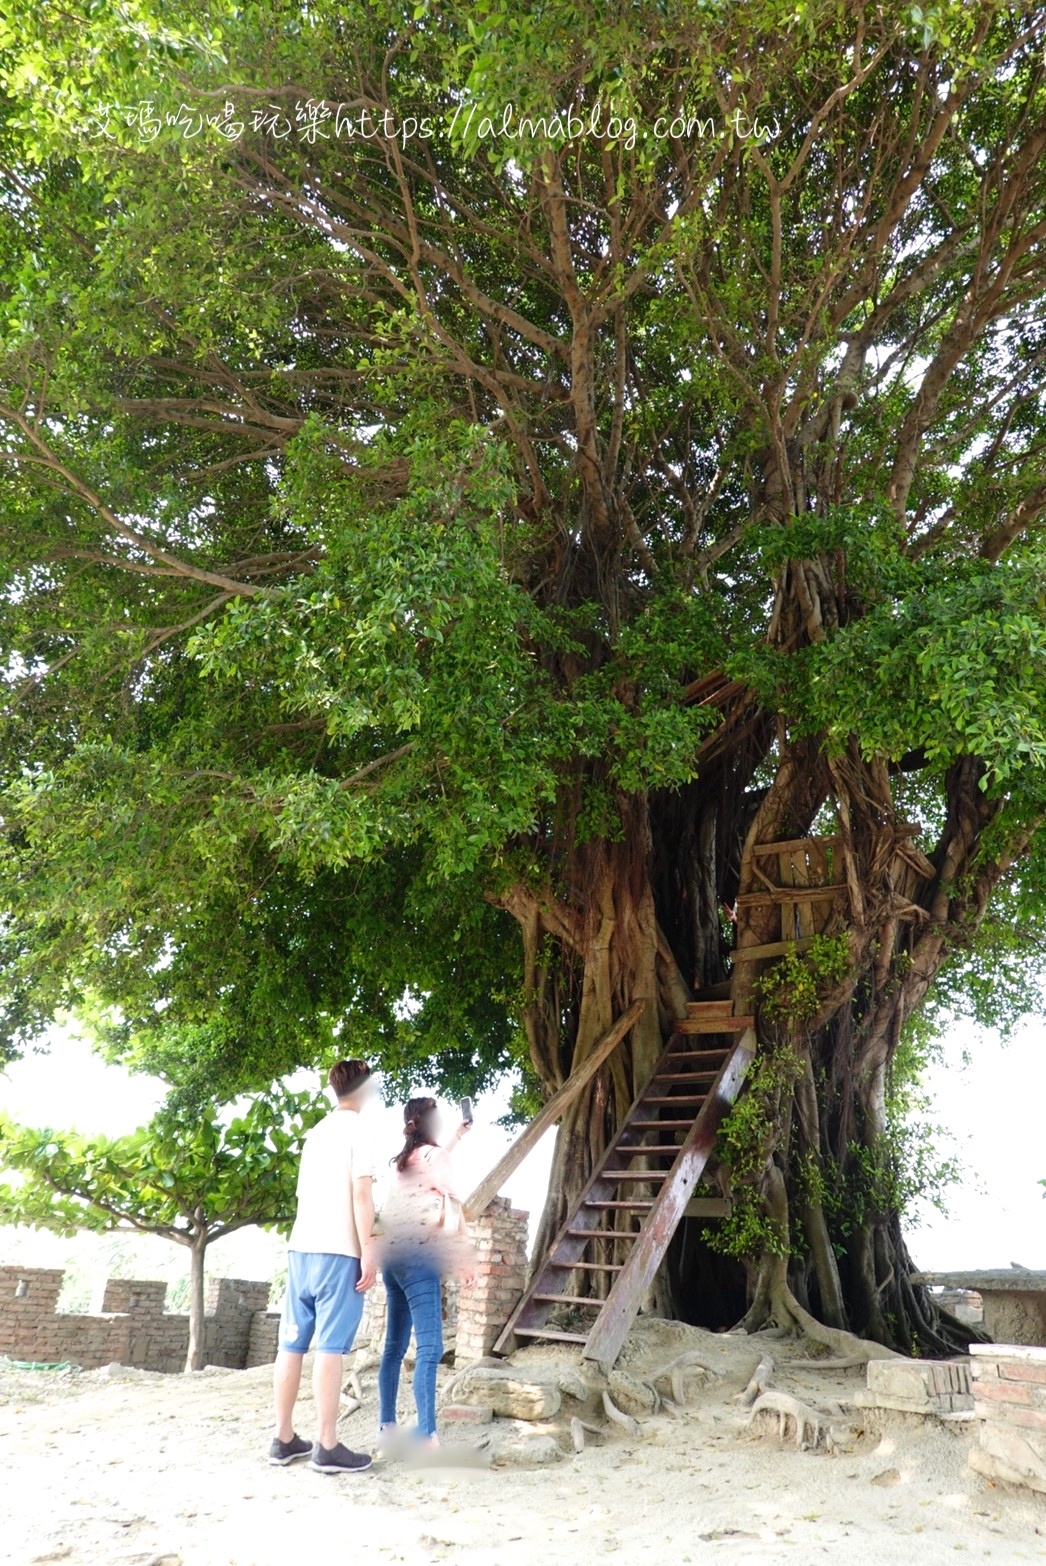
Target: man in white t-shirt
330,1265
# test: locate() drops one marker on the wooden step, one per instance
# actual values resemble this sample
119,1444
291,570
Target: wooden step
684,1076
569,1266
714,1024
712,1056
599,1234
677,1102
660,1148
634,1174
570,1299
714,992
712,1008
663,1125
552,1336
636,1206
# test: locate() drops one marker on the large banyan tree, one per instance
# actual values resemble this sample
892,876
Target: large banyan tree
471,482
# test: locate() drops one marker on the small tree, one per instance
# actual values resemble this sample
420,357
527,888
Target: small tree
188,1177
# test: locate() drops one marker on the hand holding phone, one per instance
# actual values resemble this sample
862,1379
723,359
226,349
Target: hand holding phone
466,1113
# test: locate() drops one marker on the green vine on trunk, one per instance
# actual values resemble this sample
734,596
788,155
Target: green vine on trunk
792,989
747,1138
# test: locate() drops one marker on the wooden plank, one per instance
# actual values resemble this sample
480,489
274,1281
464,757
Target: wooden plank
489,1187
708,1074
603,1234
707,1207
711,1008
553,1337
713,1024
572,1299
786,845
790,894
715,1055
630,1286
582,1267
636,1204
769,949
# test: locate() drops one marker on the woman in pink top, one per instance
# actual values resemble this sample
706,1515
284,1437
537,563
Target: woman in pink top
423,1237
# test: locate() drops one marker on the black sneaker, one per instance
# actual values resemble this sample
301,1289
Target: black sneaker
339,1460
283,1452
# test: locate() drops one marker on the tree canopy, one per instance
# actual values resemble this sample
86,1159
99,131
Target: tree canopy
466,471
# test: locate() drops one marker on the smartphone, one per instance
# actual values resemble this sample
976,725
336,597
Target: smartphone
466,1111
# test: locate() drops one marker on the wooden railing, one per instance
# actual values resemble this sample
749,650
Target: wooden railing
528,1139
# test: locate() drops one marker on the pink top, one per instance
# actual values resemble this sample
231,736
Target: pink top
415,1199
430,1169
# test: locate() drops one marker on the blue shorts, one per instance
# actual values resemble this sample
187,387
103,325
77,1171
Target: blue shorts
321,1299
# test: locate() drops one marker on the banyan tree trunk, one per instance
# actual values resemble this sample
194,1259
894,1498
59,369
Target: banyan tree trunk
647,918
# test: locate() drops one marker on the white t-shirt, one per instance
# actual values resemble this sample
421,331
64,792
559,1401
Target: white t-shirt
335,1152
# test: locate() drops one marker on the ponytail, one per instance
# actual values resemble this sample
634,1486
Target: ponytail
418,1116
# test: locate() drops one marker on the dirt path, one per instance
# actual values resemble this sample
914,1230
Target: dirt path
148,1470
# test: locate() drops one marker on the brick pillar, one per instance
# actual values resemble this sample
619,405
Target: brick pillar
371,1334
1009,1392
145,1296
229,1306
28,1296
500,1237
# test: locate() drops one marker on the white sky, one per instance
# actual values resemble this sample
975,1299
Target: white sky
993,1108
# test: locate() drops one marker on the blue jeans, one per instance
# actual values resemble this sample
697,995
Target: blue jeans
414,1300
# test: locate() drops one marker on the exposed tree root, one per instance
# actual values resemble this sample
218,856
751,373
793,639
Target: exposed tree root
759,1382
851,1362
807,1420
783,1309
578,1427
624,1420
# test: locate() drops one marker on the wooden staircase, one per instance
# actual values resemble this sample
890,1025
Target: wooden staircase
648,1172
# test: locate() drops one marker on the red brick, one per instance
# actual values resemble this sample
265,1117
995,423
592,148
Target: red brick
1003,1391
1023,1370
1030,1418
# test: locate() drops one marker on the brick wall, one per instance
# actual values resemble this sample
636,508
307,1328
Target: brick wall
1009,1392
265,1325
500,1236
918,1386
130,1327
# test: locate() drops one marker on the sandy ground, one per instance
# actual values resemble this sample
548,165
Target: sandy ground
137,1469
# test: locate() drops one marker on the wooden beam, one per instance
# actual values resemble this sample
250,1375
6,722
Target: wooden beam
708,1207
771,949
791,894
790,844
660,1224
528,1139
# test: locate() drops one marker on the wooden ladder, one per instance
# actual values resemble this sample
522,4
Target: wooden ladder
649,1171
